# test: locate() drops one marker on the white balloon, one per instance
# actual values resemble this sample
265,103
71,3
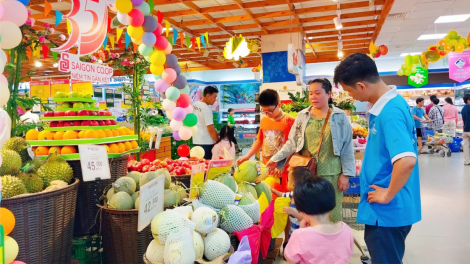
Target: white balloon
122,18
10,35
176,125
193,130
184,133
2,65
168,105
4,94
6,131
3,55
15,11
168,115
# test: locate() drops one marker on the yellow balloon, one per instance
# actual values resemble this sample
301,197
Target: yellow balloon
158,58
135,32
156,69
136,41
193,130
123,6
197,152
11,249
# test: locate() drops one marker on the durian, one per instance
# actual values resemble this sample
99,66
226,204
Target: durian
35,164
11,164
55,168
12,186
32,182
20,145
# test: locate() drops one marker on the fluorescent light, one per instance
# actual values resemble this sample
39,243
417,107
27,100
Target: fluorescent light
55,65
411,53
431,36
38,64
452,19
338,23
310,37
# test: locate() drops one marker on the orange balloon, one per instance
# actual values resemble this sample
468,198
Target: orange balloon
7,220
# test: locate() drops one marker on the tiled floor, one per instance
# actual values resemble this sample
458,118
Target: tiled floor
443,236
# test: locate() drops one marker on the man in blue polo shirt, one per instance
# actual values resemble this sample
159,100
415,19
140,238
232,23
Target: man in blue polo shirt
390,192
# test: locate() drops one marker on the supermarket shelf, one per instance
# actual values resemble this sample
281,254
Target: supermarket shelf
75,118
76,156
73,142
75,99
78,109
77,128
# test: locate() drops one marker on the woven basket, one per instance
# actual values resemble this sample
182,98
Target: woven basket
44,224
89,194
122,244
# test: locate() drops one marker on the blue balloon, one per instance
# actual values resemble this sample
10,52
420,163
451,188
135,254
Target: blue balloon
180,82
24,2
150,24
171,61
149,39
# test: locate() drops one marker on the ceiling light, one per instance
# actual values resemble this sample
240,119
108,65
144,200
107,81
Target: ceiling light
340,54
338,23
411,53
55,65
452,19
310,37
38,64
340,45
235,48
431,36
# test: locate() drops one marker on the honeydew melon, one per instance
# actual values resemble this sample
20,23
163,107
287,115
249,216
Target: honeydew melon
121,201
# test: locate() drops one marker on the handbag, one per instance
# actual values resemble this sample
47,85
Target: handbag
308,162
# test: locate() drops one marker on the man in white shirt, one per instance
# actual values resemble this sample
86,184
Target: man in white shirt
206,134
29,117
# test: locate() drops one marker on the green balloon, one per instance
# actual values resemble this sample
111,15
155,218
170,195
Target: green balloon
185,90
190,120
147,58
400,72
408,60
157,77
145,50
172,93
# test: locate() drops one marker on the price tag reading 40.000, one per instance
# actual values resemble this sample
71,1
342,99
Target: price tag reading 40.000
150,201
94,162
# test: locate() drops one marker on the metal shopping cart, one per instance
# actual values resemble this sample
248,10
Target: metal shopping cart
437,142
351,199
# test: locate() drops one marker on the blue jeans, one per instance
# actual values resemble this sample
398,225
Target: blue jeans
386,245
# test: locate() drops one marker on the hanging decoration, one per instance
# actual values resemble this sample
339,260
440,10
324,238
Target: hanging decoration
376,52
236,47
58,17
47,8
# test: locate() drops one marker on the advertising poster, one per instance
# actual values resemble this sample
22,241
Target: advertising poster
82,87
62,86
239,93
418,78
196,95
459,66
40,89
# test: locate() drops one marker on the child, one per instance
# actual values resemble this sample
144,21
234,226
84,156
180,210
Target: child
225,141
296,175
318,240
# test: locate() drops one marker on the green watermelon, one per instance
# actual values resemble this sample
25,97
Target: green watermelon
228,181
263,187
247,188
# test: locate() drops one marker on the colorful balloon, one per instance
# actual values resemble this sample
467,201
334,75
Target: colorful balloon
11,249
161,86
144,8
159,30
168,115
162,43
180,82
137,2
7,219
184,101
193,130
185,133
189,109
183,150
176,136
156,69
149,39
136,41
190,120
158,58
10,34
177,69
172,93
135,32
176,125
169,75
14,11
185,90
197,152
178,114
171,61
168,50
4,94
122,18
145,50
168,105
150,24
135,18
123,6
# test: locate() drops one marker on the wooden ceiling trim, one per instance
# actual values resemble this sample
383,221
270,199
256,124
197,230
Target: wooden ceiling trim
385,11
300,27
335,42
251,15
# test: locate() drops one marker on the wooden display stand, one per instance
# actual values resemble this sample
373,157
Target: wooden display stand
161,153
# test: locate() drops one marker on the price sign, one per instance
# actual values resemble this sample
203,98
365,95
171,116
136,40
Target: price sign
217,167
151,201
82,87
197,179
98,92
110,102
40,89
146,89
94,162
60,86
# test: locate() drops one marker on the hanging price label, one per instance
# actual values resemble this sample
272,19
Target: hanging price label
94,162
151,201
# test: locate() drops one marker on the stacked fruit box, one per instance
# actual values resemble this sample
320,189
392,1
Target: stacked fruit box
77,121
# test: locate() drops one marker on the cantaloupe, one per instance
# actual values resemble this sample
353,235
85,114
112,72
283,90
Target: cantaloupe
245,187
147,177
263,187
216,194
121,201
135,175
155,251
229,181
181,193
109,194
169,221
216,244
234,219
137,203
198,244
135,196
170,198
247,199
206,220
247,172
125,184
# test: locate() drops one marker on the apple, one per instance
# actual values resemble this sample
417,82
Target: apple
101,123
53,124
107,122
85,105
74,94
188,171
87,96
170,168
101,113
60,95
108,113
67,123
152,168
60,124
78,105
59,113
66,105
163,164
145,162
156,162
76,123
94,123
145,168
86,123
82,113
70,113
49,114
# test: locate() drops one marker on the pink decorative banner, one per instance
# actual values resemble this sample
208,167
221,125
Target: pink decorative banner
459,66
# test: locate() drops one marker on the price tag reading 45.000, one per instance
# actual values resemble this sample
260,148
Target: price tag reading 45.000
151,201
94,162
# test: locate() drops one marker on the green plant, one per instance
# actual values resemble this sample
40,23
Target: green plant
343,101
299,102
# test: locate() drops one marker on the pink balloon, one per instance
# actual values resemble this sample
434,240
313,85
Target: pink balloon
3,79
2,9
162,43
183,158
14,11
168,50
159,30
135,18
189,109
17,262
161,86
178,113
169,75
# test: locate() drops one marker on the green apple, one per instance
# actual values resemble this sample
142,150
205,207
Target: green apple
58,95
88,96
86,105
78,105
74,94
66,105
80,95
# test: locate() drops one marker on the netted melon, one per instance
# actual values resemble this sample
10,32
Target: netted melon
125,184
216,244
185,210
198,244
234,219
170,198
121,201
245,187
155,251
198,204
206,220
169,221
250,206
216,194
179,247
263,187
228,181
248,172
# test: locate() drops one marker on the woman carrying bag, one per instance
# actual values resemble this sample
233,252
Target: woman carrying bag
322,134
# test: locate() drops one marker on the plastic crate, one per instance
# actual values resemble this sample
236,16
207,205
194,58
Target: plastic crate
455,146
354,186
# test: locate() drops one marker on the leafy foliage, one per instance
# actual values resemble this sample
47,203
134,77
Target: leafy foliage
299,102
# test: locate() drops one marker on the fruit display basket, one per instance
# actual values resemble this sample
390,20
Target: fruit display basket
44,224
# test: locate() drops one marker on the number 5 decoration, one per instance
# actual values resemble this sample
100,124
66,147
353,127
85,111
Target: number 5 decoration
88,26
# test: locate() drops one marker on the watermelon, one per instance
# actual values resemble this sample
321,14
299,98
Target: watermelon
263,187
229,181
247,172
247,188
121,201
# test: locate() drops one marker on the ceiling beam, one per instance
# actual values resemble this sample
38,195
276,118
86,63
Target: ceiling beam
251,15
300,27
385,11
320,35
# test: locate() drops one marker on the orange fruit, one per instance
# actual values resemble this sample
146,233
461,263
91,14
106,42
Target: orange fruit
121,147
113,148
59,135
121,132
41,151
107,149
100,133
134,144
70,135
55,150
45,135
34,149
115,133
127,130
69,150
91,134
128,145
81,134
108,133
32,134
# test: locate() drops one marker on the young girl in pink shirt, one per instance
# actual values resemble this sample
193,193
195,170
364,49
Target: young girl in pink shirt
225,141
318,241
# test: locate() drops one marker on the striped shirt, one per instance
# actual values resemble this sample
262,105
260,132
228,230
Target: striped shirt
294,222
437,115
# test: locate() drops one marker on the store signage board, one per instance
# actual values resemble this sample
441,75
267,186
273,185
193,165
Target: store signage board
418,78
94,162
40,89
296,63
84,71
82,87
217,167
197,179
282,88
117,94
151,201
459,66
98,92
62,86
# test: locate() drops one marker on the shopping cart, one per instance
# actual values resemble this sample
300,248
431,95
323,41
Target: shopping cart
439,143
